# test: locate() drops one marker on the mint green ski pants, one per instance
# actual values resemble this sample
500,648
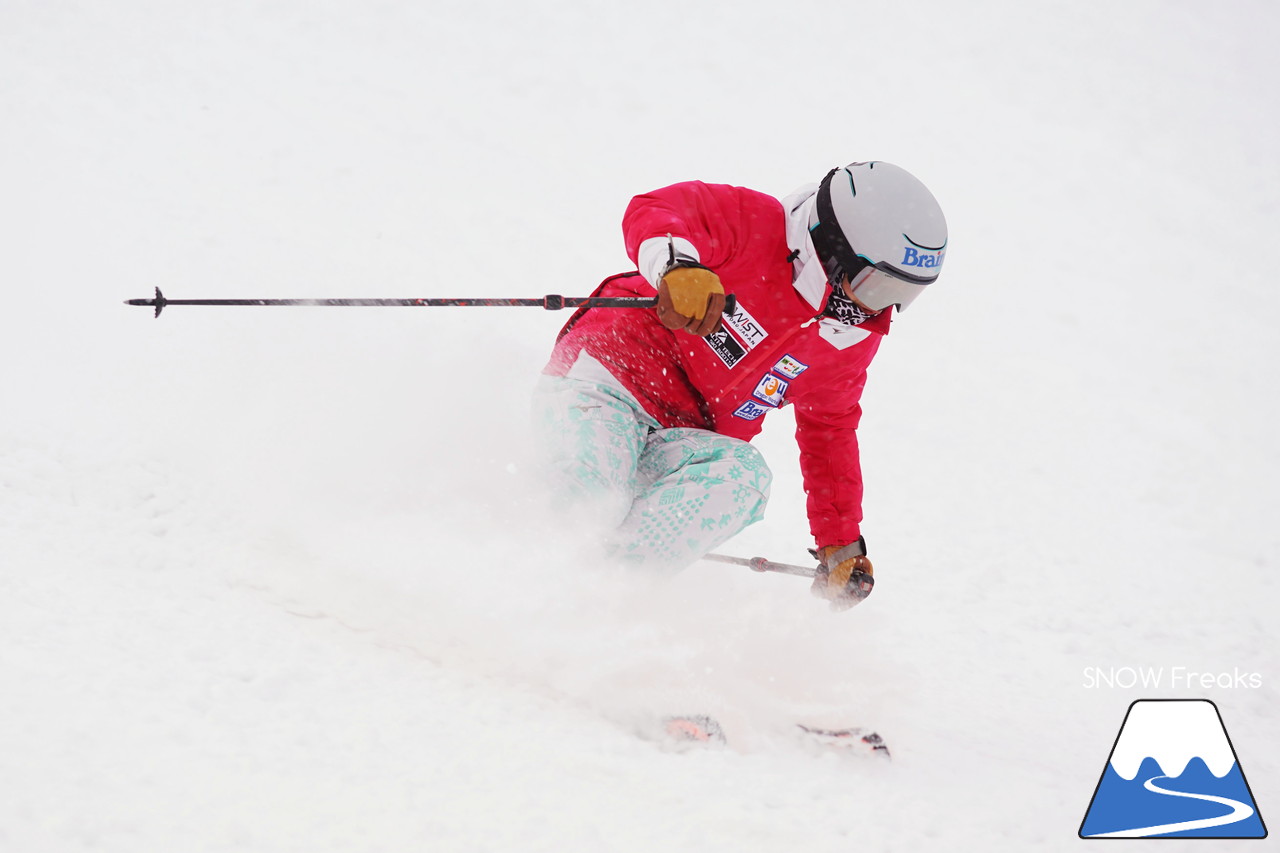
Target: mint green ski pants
652,497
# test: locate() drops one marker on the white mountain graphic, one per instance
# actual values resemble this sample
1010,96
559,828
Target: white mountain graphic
1137,799
1173,733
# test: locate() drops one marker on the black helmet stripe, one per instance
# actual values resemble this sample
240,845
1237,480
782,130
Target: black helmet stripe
922,246
828,239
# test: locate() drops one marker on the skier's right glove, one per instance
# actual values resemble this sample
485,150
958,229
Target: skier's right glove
845,577
690,297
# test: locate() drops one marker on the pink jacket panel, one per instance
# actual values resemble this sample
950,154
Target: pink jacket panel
769,353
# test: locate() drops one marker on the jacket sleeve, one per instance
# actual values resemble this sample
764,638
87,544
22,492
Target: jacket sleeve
706,223
826,431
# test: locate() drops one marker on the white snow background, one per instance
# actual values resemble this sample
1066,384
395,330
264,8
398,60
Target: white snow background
277,579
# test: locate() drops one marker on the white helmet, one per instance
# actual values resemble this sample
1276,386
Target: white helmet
878,225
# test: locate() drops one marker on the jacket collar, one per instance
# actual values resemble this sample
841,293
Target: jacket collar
807,274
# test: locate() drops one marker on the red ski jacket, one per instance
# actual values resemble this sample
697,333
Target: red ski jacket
771,352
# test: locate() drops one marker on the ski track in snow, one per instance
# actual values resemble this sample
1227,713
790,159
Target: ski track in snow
279,579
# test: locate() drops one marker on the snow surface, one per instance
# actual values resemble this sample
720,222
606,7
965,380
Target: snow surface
277,580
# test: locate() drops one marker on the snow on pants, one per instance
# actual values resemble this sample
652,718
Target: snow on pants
658,498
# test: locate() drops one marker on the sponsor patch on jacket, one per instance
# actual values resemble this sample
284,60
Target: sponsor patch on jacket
750,410
745,326
726,347
771,390
790,367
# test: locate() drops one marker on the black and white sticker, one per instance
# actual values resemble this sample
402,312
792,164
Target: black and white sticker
726,347
746,327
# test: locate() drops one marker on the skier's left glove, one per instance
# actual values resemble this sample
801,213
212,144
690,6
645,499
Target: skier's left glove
845,577
690,297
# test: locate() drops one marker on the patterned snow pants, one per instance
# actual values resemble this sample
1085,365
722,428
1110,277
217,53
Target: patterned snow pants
653,497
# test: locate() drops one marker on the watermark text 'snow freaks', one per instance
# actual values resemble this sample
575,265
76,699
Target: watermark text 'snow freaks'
1171,678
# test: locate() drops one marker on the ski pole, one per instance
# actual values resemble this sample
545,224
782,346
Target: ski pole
551,302
760,564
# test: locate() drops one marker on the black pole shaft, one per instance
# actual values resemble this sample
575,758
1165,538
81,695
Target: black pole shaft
551,302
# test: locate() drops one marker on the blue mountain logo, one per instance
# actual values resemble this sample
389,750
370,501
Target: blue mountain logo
1173,773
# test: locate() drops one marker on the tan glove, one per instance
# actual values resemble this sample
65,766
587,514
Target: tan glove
846,575
691,298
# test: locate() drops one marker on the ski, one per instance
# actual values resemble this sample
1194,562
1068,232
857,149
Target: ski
853,741
682,732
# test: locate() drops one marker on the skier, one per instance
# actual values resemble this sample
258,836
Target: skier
647,415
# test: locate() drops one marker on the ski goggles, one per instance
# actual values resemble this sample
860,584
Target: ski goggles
877,286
